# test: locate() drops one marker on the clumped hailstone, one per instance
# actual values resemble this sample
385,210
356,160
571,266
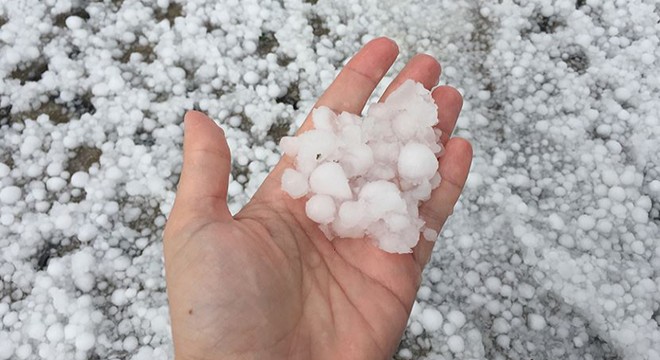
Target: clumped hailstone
367,176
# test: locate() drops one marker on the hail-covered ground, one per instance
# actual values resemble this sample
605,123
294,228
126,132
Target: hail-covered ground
552,253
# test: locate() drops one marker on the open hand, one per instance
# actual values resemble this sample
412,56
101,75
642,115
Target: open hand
266,283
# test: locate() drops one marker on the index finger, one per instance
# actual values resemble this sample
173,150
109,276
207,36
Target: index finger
353,86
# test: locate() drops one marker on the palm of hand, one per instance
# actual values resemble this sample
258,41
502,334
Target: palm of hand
266,283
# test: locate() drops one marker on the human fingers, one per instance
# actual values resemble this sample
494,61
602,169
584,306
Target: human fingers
353,86
202,189
449,102
454,168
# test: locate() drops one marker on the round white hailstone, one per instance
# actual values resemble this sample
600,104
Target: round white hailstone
320,209
351,213
431,319
472,278
416,162
381,197
637,247
324,118
449,329
36,330
5,170
609,305
627,336
145,353
6,348
79,179
530,240
357,160
251,77
500,325
290,145
456,344
87,232
159,324
430,234
29,145
24,351
294,183
10,195
402,127
526,291
85,341
610,177
74,22
329,179
640,215
274,91
63,221
653,185
465,241
84,282
617,193
314,147
586,222
556,222
55,184
416,328
121,263
457,318
398,222
536,322
518,71
503,341
622,94
493,284
405,354
55,333
130,343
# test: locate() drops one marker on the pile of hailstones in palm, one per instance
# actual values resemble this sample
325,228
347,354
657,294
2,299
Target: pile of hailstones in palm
367,176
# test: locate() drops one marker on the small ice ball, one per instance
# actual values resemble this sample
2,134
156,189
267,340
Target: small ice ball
381,197
30,144
357,160
456,344
536,322
10,194
55,184
351,213
324,118
431,319
74,22
289,145
397,222
55,333
79,179
4,170
430,234
294,183
251,77
402,127
330,179
417,162
321,209
85,341
457,318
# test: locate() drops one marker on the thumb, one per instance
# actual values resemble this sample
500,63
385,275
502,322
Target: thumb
206,166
